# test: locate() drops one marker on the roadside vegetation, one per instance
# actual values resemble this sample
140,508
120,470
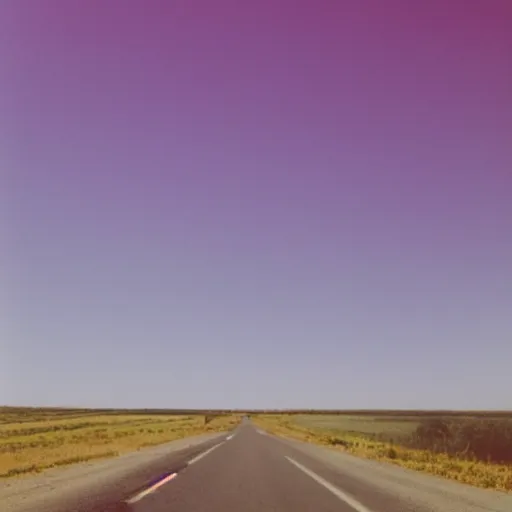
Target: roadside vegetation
469,449
32,440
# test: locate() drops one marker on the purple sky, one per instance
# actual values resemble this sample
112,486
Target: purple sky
257,204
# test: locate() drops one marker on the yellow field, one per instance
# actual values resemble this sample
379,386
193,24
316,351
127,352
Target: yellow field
477,473
50,440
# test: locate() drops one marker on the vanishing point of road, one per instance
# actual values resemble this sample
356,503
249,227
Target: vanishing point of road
248,470
252,472
245,470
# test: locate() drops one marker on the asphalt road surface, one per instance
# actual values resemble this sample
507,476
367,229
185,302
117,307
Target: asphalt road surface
251,471
248,470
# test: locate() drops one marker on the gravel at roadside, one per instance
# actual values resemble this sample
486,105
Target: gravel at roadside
430,492
21,493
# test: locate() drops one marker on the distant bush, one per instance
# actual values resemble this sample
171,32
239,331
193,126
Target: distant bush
208,418
337,441
477,438
391,453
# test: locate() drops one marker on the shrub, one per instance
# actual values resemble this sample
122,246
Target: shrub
481,439
391,454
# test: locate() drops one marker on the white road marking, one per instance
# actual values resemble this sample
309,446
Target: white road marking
230,437
204,454
149,490
262,432
349,500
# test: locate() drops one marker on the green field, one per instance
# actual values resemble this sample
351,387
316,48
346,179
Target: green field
391,427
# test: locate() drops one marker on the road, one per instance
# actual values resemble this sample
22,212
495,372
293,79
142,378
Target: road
249,470
252,471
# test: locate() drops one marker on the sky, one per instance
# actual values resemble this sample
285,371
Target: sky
274,204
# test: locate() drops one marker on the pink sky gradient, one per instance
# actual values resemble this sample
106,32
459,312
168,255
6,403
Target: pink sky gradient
301,204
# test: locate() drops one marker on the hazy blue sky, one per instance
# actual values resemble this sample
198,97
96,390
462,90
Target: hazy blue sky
260,204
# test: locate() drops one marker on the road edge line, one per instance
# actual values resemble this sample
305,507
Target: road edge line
349,500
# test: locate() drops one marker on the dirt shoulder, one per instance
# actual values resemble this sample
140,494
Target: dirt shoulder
34,492
419,491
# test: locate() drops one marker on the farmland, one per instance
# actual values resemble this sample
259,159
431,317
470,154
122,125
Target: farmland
371,426
33,439
474,449
471,447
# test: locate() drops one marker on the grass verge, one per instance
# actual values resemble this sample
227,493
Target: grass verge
477,473
33,446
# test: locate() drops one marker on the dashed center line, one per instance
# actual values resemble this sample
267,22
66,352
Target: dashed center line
204,454
149,490
349,500
169,477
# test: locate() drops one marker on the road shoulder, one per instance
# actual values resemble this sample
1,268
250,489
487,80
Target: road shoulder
48,490
412,487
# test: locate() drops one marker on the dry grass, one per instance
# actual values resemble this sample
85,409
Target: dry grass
51,440
330,432
389,428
